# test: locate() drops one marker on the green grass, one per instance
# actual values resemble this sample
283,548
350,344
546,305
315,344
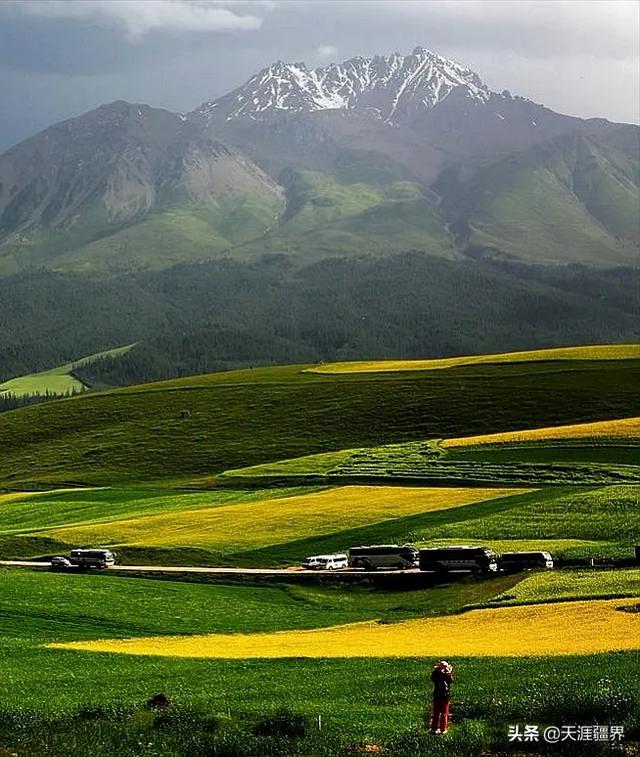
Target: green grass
182,528
251,417
609,515
546,452
540,218
220,526
604,452
422,461
56,702
234,526
535,464
176,234
359,700
551,586
108,606
59,380
320,464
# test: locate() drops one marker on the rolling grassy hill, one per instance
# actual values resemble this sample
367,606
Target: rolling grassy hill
583,450
61,380
204,425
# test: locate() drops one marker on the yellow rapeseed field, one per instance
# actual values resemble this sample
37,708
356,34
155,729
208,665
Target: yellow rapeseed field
595,352
16,496
624,428
595,626
276,521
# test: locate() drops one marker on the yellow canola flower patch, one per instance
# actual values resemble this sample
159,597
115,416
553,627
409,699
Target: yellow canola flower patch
18,496
594,352
595,626
274,521
624,428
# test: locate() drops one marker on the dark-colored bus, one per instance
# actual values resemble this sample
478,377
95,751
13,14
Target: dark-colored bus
463,558
512,562
376,556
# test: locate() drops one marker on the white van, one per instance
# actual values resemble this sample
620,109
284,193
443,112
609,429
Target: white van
326,562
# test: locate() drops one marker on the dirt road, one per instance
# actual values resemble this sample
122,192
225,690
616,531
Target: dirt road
216,571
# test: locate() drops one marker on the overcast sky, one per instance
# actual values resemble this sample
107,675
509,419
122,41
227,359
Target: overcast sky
59,58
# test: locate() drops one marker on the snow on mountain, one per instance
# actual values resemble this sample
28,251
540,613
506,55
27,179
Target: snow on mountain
387,87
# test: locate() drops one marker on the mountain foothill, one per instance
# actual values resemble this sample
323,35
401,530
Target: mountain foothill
403,174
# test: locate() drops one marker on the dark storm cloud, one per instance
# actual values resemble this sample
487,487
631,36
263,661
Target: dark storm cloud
61,57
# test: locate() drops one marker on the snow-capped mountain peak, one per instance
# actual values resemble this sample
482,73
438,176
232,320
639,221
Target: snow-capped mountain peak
388,87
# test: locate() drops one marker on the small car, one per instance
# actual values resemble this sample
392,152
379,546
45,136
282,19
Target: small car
326,562
60,563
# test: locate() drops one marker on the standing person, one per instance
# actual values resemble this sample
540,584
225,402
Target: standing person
442,677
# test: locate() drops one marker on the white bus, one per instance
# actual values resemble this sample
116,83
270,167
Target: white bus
92,558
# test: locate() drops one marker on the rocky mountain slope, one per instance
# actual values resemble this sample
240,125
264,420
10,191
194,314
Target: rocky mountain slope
82,179
392,88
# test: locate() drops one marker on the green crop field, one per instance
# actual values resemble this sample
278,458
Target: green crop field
276,527
263,467
572,584
60,380
223,526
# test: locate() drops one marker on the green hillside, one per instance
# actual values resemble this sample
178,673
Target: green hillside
207,424
326,217
178,232
569,201
60,380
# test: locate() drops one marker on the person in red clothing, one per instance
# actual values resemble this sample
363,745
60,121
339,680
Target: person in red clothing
442,678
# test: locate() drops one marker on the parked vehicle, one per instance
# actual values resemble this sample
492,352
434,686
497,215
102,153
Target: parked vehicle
511,562
463,558
93,558
326,562
60,563
383,556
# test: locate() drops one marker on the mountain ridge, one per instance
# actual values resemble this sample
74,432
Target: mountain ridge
423,76
415,138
